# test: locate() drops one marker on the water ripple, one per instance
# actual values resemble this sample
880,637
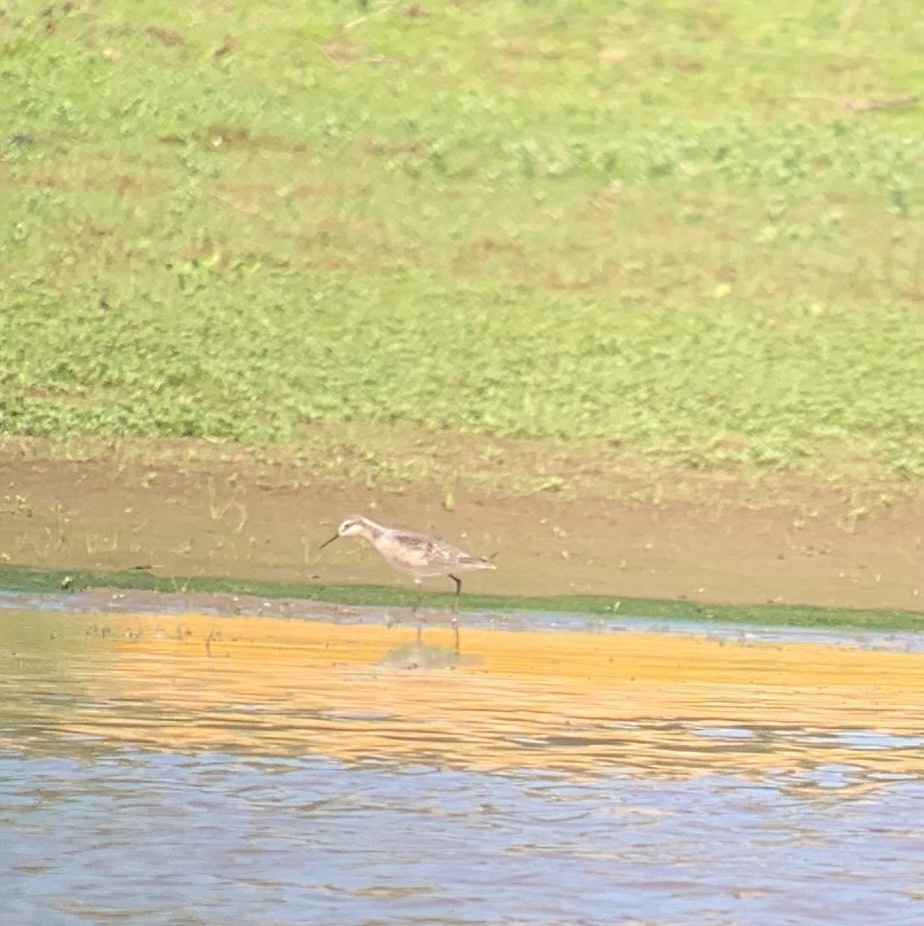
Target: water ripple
296,772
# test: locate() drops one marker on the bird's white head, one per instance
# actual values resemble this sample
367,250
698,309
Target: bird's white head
354,526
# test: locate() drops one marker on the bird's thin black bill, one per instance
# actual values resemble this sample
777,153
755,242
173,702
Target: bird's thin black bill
326,542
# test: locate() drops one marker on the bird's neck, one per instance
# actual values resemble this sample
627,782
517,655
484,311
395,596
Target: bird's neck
372,530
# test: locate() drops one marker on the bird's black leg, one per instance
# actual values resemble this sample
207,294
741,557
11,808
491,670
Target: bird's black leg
414,611
455,617
458,591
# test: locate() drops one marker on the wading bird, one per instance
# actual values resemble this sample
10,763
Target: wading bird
419,555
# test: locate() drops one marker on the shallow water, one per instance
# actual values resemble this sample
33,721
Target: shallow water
200,769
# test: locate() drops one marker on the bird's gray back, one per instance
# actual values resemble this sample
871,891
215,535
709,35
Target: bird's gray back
423,555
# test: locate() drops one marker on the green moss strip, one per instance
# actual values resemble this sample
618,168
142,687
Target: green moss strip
63,583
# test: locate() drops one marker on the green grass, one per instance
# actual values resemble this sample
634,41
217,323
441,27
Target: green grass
62,583
626,222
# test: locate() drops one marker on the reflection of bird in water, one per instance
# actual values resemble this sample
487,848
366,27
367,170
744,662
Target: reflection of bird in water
421,556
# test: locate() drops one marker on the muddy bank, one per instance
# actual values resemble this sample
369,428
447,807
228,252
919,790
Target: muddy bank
621,532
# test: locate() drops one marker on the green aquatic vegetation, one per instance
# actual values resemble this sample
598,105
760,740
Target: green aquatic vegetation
62,584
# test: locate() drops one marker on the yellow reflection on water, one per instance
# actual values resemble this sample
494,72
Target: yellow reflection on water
670,704
675,704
